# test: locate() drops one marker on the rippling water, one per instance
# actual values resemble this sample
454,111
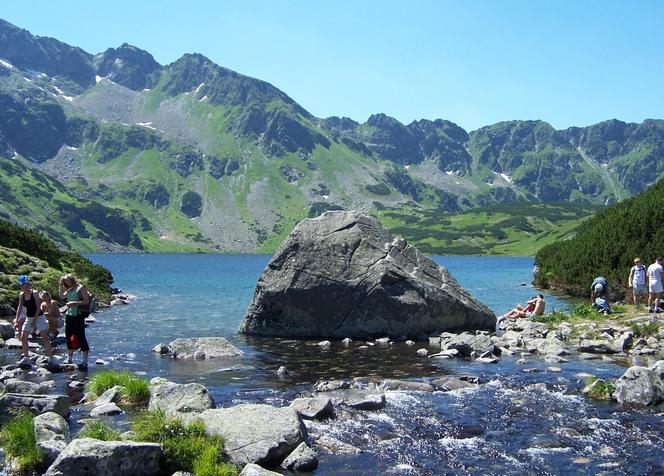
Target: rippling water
517,422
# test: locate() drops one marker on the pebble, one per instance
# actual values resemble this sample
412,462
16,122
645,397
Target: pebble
101,362
383,340
324,343
554,369
422,351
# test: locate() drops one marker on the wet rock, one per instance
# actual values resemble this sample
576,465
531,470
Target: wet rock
328,385
14,343
467,343
76,384
567,432
101,362
358,399
112,395
641,385
325,344
35,404
622,343
106,409
346,341
522,361
255,470
6,330
395,289
86,456
14,385
259,434
554,359
407,385
313,408
383,340
434,341
597,346
445,354
452,382
175,399
283,372
527,329
161,348
202,348
51,435
422,351
487,358
409,342
335,446
158,381
302,458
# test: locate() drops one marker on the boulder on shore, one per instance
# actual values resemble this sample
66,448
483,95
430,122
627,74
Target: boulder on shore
343,275
173,398
35,404
641,385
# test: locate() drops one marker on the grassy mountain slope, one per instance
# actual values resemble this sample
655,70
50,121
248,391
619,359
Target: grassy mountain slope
606,245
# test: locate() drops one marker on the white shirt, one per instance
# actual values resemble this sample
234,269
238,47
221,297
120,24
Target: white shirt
655,273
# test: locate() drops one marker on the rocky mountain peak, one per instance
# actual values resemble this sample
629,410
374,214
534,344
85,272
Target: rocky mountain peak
129,66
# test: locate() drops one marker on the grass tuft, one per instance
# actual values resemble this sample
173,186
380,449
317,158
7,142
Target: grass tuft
99,430
599,389
135,391
186,448
645,330
18,440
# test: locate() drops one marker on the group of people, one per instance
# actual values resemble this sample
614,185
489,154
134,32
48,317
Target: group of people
38,312
533,307
648,282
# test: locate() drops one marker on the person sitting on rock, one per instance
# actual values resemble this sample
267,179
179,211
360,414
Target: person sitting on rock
533,307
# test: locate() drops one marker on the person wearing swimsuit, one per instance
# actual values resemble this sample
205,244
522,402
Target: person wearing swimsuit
34,320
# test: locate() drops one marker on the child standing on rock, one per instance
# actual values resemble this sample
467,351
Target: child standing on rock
78,302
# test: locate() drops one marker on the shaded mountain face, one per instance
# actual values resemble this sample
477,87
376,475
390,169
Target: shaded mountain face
209,158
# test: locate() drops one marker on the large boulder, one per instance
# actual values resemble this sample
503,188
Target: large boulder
35,404
51,435
466,343
202,348
86,456
641,385
173,398
343,275
255,433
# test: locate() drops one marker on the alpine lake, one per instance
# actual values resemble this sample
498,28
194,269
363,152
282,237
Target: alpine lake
522,419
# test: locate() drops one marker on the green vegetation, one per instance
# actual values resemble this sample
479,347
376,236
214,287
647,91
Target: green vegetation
17,438
599,389
186,448
510,229
99,430
650,329
580,312
135,391
606,245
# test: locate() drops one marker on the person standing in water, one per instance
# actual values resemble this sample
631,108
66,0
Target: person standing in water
34,320
77,297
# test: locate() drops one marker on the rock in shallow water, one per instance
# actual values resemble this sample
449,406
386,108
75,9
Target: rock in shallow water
314,408
641,385
174,399
343,274
202,348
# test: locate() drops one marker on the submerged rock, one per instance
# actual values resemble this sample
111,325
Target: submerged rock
344,275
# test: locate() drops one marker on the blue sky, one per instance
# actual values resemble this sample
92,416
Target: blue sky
573,62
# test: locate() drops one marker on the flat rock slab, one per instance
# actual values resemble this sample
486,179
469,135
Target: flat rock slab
87,457
407,385
260,434
357,399
202,348
313,408
107,409
255,470
344,275
35,404
14,385
597,346
174,398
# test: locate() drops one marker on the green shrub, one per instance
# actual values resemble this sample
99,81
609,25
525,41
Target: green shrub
134,390
585,311
99,430
645,330
18,440
186,448
599,389
554,317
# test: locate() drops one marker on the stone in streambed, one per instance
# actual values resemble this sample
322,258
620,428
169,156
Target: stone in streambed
641,385
51,435
302,458
202,348
107,409
313,408
357,399
597,346
14,385
344,275
174,399
254,470
407,385
35,404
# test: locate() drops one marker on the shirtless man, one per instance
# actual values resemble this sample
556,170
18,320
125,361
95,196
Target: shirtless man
534,307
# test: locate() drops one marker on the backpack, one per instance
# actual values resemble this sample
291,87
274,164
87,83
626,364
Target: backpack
83,309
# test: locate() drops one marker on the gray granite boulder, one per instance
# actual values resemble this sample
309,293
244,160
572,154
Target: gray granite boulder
467,344
641,385
51,435
302,458
202,348
35,404
87,457
174,398
260,434
407,385
112,395
597,346
255,470
343,275
313,408
107,409
359,399
14,385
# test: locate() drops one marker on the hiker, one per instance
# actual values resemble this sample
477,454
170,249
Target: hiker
533,307
34,319
637,281
655,272
52,313
78,306
599,288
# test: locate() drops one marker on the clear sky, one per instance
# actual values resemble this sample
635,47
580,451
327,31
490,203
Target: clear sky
574,62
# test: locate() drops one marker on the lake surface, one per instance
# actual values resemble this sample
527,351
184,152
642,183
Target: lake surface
516,422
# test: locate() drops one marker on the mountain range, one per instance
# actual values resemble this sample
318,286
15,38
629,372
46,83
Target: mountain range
116,151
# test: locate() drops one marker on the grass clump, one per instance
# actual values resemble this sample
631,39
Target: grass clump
645,330
599,389
18,440
135,391
99,431
186,448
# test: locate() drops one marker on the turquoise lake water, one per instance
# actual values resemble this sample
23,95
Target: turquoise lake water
516,422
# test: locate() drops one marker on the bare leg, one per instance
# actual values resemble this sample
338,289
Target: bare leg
24,344
47,343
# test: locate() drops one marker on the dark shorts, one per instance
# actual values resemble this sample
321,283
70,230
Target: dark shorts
75,333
